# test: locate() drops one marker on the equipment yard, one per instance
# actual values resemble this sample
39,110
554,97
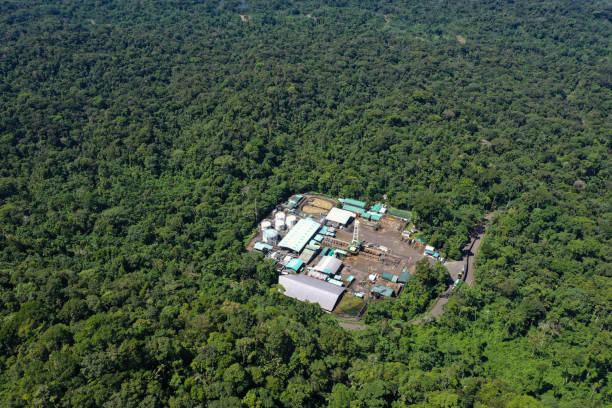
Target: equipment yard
339,247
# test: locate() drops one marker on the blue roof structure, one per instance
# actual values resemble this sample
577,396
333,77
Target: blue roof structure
295,264
261,246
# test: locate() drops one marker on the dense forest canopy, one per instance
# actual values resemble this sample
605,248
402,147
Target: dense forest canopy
141,142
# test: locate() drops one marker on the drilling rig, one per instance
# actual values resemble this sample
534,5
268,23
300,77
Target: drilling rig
355,243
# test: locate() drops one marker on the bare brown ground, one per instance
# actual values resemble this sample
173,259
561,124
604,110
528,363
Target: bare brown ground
461,39
317,202
309,209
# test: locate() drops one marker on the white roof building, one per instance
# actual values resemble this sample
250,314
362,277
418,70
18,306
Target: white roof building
305,288
339,216
297,238
329,265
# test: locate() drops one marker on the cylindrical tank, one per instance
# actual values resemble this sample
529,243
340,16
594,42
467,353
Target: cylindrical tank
265,224
279,225
279,216
291,220
270,236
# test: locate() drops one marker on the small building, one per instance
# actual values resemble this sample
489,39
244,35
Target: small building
294,201
383,291
339,216
306,288
329,265
356,203
307,255
353,209
312,245
376,208
404,276
336,282
263,247
373,216
390,277
295,264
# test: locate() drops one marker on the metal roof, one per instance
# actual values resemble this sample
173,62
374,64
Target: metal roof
375,216
340,216
260,246
376,208
404,276
297,238
389,276
352,208
329,265
383,290
356,203
307,255
295,264
305,288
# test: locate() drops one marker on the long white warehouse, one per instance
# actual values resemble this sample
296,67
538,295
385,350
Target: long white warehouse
298,237
302,287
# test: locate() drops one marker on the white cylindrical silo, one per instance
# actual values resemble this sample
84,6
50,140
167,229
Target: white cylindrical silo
279,216
291,220
270,236
265,224
279,225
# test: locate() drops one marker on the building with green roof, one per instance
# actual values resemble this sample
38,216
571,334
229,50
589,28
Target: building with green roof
376,208
383,290
353,202
263,247
295,264
404,276
352,208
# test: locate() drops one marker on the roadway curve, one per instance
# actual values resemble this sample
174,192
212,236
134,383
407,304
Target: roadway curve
469,255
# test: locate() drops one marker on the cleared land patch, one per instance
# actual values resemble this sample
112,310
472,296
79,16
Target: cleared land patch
350,305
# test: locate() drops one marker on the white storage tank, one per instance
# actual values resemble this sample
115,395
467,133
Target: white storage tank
270,236
279,225
291,221
265,224
280,216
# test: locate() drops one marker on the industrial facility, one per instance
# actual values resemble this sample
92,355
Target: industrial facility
324,248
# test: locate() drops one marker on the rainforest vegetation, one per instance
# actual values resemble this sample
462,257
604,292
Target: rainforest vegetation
141,142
